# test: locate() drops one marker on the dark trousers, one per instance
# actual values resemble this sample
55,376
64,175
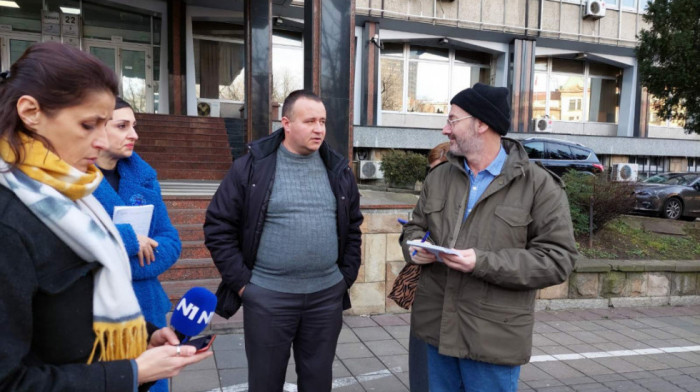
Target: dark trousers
417,364
274,322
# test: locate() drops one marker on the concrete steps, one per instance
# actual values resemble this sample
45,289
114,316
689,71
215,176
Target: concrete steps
195,266
182,147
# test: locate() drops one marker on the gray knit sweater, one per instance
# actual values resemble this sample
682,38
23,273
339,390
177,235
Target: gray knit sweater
299,244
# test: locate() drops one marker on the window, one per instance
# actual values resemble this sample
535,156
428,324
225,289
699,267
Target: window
654,119
649,166
391,85
630,4
572,90
287,64
559,151
694,164
421,79
535,150
427,80
579,153
219,69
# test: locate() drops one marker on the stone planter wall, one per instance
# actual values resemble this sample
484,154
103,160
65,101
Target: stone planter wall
594,283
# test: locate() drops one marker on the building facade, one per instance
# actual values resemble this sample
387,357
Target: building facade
385,68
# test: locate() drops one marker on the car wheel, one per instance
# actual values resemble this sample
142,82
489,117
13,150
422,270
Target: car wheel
672,208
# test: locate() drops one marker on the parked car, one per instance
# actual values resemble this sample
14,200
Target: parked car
672,195
561,156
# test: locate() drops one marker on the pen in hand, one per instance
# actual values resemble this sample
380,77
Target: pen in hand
425,237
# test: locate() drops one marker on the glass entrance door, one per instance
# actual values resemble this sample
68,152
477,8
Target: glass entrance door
133,66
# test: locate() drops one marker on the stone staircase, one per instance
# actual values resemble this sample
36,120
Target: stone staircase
182,147
195,266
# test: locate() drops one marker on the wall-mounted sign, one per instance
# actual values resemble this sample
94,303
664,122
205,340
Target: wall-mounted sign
50,23
70,25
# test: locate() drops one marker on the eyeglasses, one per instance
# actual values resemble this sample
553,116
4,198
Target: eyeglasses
451,123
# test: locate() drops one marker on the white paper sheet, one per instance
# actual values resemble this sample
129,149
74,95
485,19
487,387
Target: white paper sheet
139,217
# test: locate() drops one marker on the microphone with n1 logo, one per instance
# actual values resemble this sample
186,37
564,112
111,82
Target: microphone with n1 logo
193,313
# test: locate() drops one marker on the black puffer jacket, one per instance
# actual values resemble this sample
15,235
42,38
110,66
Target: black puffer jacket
236,215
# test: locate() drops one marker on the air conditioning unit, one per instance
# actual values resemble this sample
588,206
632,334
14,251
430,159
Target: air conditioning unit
624,172
371,170
208,107
542,124
595,9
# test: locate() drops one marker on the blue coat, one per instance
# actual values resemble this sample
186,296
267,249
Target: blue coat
138,186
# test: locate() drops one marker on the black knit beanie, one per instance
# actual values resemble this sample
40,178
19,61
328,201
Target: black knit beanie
488,104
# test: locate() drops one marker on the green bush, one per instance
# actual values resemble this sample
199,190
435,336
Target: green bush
403,168
610,199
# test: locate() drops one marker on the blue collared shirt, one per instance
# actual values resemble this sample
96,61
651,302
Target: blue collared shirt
483,179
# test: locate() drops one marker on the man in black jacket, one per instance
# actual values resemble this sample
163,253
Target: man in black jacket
284,231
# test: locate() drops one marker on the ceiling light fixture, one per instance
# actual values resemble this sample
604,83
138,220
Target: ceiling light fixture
70,10
9,4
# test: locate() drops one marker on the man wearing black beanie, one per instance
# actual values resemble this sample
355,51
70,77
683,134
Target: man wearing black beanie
508,224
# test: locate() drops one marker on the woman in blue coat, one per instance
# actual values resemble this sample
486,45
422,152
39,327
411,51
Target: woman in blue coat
130,181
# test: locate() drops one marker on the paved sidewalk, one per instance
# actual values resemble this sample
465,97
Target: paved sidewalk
624,349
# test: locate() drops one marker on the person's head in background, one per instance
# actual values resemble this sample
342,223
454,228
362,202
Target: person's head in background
438,154
121,135
61,96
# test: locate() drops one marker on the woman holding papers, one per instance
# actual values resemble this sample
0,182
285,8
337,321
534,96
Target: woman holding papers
68,318
130,181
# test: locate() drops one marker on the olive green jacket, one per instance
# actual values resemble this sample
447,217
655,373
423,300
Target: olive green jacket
522,234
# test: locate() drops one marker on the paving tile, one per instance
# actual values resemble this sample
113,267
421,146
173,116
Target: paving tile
339,370
591,368
540,340
611,336
389,319
347,385
583,348
562,388
624,386
406,317
229,342
634,376
558,369
347,336
675,361
563,338
363,366
647,362
352,350
554,350
538,384
398,331
577,380
566,326
660,385
530,372
590,337
207,364
404,342
368,334
358,321
658,333
693,357
395,363
544,328
195,380
226,359
593,387
608,346
546,316
683,381
617,365
404,378
609,377
386,347
590,326
231,377
385,384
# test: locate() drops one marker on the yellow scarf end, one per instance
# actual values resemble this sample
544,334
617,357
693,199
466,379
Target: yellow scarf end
123,340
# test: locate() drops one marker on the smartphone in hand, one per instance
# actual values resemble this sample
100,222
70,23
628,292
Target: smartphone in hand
202,344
